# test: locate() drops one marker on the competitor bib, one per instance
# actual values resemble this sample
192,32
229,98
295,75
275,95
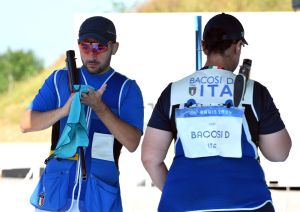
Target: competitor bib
210,131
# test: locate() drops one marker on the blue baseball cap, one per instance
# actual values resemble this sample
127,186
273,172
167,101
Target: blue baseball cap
99,28
230,25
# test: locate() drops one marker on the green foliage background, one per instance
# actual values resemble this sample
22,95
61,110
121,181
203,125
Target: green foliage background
215,5
14,103
16,66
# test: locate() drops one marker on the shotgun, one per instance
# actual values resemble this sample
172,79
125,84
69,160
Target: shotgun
73,79
240,82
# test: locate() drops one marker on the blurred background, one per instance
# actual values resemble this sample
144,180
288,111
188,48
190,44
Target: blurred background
35,35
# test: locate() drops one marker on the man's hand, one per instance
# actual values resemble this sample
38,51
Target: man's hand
35,120
67,106
93,98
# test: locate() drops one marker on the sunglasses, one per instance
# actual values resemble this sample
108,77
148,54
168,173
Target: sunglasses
95,48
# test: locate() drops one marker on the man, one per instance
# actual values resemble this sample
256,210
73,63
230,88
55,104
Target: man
216,165
114,118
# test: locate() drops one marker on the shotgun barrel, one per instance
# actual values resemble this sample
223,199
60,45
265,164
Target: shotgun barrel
73,79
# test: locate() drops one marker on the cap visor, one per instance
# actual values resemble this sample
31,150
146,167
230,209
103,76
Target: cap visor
244,41
93,36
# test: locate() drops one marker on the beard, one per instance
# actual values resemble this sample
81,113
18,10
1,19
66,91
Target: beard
96,67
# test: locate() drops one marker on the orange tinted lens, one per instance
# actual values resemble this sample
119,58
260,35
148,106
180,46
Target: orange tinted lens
96,48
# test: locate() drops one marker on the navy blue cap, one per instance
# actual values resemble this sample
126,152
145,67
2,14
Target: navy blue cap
231,26
99,28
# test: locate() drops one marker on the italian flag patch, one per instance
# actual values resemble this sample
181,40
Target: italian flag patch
41,199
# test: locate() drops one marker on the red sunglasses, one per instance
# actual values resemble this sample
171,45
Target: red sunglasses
95,48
